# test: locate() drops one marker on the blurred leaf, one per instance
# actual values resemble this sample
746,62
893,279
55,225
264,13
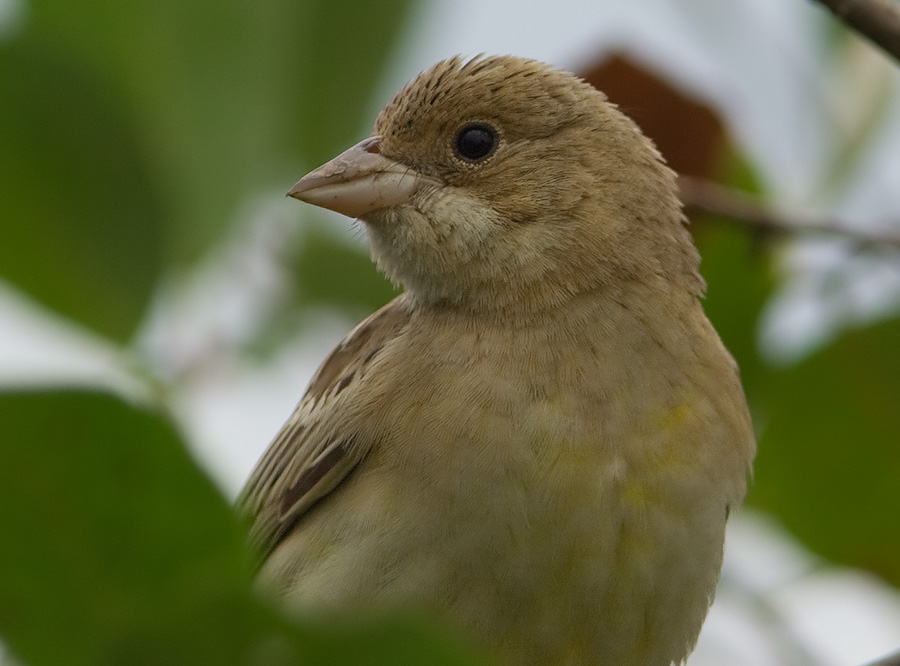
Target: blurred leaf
330,271
829,464
118,550
342,45
401,640
81,219
737,266
112,537
737,272
135,131
229,95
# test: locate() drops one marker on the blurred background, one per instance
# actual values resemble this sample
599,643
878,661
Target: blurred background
147,252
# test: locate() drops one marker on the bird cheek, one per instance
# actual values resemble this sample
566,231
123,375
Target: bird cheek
400,240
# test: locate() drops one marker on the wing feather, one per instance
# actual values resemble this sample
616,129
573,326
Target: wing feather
316,449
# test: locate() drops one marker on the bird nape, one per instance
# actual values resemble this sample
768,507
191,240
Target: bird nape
539,440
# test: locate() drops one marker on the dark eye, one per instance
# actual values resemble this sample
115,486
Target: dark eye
475,142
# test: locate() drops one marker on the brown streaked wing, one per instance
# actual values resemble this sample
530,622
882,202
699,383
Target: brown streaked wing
314,451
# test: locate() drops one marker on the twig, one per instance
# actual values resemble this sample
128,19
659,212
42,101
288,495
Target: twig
708,197
879,20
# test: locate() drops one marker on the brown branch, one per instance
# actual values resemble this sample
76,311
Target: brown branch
705,196
879,20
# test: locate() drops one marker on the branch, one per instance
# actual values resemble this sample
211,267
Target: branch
879,20
890,660
708,197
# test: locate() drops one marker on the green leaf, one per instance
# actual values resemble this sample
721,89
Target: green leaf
229,96
737,272
343,46
112,537
117,550
81,218
828,463
134,133
330,271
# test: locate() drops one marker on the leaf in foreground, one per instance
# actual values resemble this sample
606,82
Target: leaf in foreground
117,549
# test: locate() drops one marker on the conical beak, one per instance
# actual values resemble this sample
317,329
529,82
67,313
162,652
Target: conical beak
358,181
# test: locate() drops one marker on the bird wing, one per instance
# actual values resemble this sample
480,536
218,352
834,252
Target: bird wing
315,450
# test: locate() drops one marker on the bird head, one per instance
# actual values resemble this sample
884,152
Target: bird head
500,184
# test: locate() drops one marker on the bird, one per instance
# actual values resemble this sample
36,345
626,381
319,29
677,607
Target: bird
540,440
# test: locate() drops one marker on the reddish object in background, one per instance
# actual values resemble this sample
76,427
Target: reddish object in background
688,133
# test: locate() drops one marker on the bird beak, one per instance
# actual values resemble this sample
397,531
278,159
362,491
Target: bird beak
358,181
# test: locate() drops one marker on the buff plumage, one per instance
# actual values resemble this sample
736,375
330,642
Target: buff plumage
540,440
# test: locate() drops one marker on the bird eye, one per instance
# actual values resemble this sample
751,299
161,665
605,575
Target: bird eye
475,142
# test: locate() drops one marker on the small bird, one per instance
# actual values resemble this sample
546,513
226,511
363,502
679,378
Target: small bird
540,440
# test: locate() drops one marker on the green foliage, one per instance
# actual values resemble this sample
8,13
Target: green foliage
322,257
82,219
829,464
118,550
117,537
737,271
134,131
